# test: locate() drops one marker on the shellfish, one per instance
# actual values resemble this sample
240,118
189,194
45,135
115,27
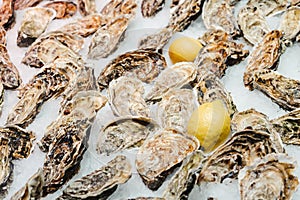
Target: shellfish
289,23
22,4
6,166
268,7
7,14
3,40
64,9
87,7
149,8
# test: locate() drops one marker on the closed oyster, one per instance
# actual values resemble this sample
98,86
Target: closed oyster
6,166
253,25
35,22
264,56
22,4
3,40
64,9
67,137
210,88
86,7
239,151
268,7
288,127
149,8
175,76
7,14
289,23
269,178
160,154
184,179
124,133
125,96
9,74
218,14
32,189
101,183
175,108
115,8
143,64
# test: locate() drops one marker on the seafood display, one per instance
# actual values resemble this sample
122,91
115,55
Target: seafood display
151,7
86,7
290,23
7,14
63,9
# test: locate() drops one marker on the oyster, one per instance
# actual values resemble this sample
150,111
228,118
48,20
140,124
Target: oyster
125,96
149,8
218,14
32,189
34,23
289,23
264,56
175,108
124,133
175,76
288,127
3,40
143,64
87,7
184,179
116,8
268,7
101,183
239,151
210,88
7,14
253,25
6,166
67,139
64,9
21,4
9,74
160,154
269,178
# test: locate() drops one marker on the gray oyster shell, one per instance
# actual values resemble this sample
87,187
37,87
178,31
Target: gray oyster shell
34,23
125,95
175,108
160,154
175,76
143,64
289,23
86,7
64,9
268,7
6,166
269,178
149,8
101,183
124,133
7,14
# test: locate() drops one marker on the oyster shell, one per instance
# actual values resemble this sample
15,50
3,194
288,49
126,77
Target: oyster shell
125,96
269,178
7,14
67,137
34,23
6,166
115,8
184,179
268,7
175,108
149,8
124,133
32,189
64,9
9,74
143,64
289,23
239,151
87,7
22,4
264,56
288,127
210,88
175,76
253,25
218,14
160,154
3,40
108,177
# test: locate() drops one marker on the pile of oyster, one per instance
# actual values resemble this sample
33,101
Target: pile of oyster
151,100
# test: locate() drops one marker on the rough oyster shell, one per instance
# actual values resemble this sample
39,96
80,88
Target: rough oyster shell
143,64
269,178
9,74
175,76
115,8
175,109
124,133
125,96
253,25
34,23
160,154
268,7
101,183
87,7
6,166
3,40
22,4
149,8
288,127
289,23
7,14
264,56
32,189
184,179
64,9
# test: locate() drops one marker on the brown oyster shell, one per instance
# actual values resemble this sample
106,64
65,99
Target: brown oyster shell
86,7
149,8
268,7
7,14
160,154
269,178
64,9
6,166
115,8
3,40
289,23
22,4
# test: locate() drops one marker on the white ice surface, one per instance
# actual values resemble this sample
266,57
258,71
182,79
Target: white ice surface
243,98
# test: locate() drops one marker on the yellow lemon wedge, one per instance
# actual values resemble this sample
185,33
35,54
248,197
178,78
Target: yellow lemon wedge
210,123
